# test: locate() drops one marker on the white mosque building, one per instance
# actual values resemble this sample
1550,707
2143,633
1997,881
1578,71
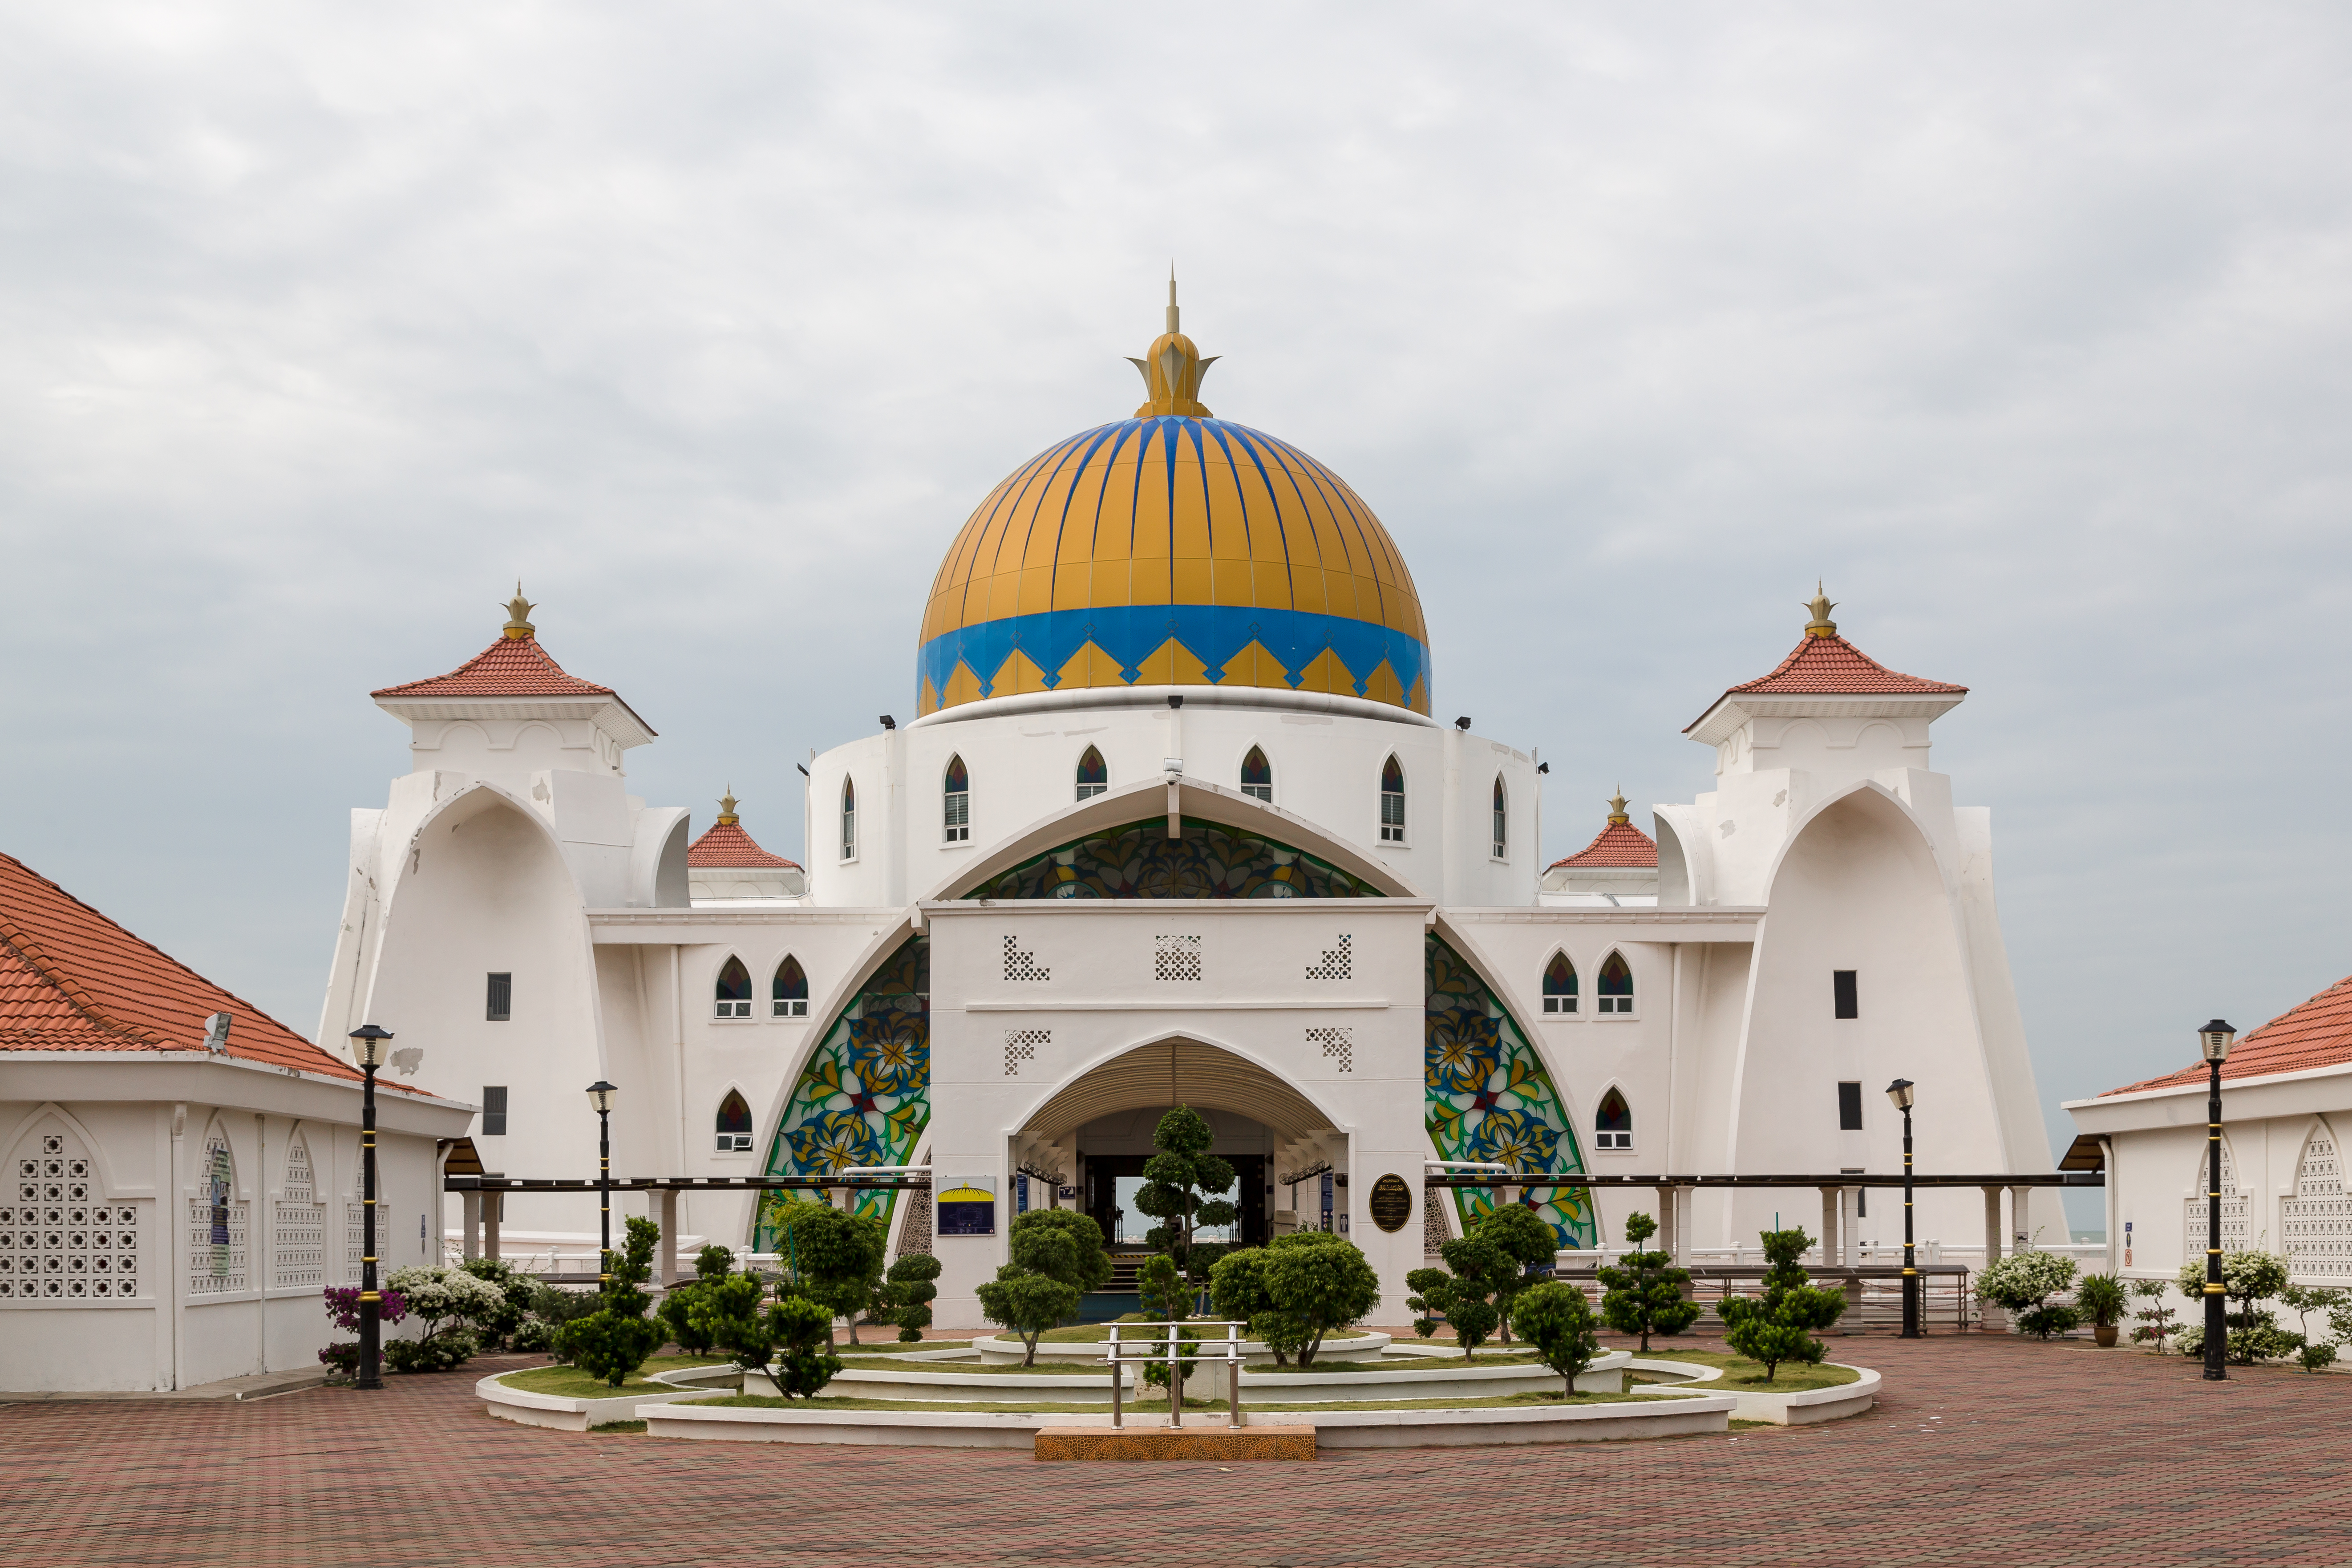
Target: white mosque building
1173,820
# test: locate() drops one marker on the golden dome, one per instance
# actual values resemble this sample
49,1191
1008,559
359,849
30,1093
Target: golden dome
1173,548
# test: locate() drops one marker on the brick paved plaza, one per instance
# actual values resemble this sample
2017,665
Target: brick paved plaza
1984,1451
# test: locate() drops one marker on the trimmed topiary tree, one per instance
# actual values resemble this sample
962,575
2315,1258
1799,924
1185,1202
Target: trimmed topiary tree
909,1292
1294,1291
676,1310
1643,1290
1528,1242
2156,1319
1173,1182
833,1257
1464,1292
1557,1319
615,1340
1167,1296
783,1341
1773,1327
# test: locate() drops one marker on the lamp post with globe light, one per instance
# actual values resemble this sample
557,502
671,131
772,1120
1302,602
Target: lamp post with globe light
2214,1039
601,1095
368,1044
1902,1092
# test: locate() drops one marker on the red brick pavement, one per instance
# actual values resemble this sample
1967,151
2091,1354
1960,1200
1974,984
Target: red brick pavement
1984,1450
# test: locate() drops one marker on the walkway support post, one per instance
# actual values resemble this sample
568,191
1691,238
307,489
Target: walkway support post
669,1237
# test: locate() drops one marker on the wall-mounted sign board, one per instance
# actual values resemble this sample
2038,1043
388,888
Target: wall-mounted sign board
968,1207
1390,1202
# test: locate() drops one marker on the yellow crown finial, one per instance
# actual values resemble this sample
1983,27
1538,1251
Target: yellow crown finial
1172,368
727,804
1617,813
519,611
1820,625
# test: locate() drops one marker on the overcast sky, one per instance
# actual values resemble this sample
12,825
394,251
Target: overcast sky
2025,327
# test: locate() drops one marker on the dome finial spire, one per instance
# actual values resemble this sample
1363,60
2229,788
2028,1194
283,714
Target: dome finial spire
727,804
1617,812
1172,368
1820,625
518,627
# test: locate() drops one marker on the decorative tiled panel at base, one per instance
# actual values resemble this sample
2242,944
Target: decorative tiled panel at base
2319,1219
1489,1098
55,1243
866,1095
1217,1444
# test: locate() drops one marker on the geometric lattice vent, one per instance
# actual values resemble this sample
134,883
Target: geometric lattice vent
216,1225
1021,1045
1339,1043
2235,1208
2318,1218
1338,963
1176,957
56,1245
298,1233
1022,965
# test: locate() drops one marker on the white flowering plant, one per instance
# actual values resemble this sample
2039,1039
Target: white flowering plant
445,1300
2023,1282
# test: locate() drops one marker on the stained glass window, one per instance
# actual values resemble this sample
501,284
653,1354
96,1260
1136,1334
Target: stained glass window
848,820
1612,1124
1616,986
1257,776
1140,862
958,790
733,998
1392,803
1502,821
789,991
1093,777
1560,985
734,1125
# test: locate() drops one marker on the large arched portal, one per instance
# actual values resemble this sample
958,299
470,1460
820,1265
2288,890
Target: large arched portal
1106,1118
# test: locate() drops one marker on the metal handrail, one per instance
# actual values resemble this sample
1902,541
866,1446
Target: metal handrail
1180,1350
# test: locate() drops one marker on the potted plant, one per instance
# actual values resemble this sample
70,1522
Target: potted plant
2100,1298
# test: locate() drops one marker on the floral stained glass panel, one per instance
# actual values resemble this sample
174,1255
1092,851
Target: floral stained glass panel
1140,862
864,1096
1488,1097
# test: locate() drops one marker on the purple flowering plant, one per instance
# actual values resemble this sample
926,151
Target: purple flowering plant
344,1307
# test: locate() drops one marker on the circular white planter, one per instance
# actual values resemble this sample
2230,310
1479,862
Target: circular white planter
569,1414
997,1351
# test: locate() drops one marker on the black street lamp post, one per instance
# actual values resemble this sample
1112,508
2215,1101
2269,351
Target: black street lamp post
368,1044
600,1095
2215,1039
1902,1093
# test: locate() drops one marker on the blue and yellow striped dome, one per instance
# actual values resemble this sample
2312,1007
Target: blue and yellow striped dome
1173,548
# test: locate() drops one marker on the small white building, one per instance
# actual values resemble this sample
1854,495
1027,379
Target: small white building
1173,820
179,1194
2286,1106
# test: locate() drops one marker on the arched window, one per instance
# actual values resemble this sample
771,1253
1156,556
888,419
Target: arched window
1616,986
1093,777
1612,1124
788,991
1502,821
734,1125
1392,803
733,998
1257,776
848,820
1560,985
956,792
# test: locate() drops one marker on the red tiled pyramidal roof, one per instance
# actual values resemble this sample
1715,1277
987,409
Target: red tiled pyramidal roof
72,980
2313,1034
1833,666
1620,843
511,666
727,845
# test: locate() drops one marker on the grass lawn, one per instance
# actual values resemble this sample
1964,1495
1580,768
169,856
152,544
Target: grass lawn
570,1383
1739,1372
1413,1364
893,1347
1096,1334
832,1401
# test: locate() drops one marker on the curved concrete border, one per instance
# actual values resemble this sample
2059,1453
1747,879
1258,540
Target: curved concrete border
996,1351
571,1414
1801,1408
1437,1380
1653,1416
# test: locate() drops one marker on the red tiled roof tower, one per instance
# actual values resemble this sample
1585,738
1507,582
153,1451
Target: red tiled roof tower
72,980
1620,845
727,846
2317,1033
1825,664
514,665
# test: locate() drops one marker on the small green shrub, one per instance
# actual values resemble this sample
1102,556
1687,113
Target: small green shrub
2249,1278
1528,1242
782,1343
1558,1317
1477,1270
1295,1290
1772,1328
908,1293
1643,1290
617,1338
442,1352
2315,1358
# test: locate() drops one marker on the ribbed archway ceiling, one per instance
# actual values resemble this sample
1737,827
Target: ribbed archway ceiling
1179,1072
